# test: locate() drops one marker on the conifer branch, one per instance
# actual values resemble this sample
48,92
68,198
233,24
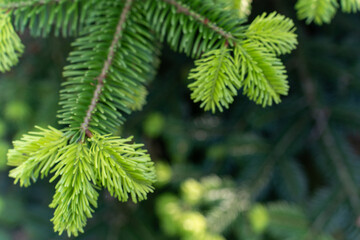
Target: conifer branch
331,206
112,59
319,11
341,169
11,47
216,81
203,20
262,177
328,139
101,78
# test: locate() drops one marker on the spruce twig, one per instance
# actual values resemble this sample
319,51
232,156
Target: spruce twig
203,20
101,78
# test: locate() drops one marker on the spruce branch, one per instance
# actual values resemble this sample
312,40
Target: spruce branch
323,11
344,175
273,31
200,19
112,59
291,180
255,67
262,75
76,194
121,167
216,80
42,17
194,27
106,66
11,47
35,154
328,140
105,81
324,205
261,178
350,6
124,168
287,221
319,11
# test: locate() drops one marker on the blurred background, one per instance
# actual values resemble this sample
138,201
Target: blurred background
289,171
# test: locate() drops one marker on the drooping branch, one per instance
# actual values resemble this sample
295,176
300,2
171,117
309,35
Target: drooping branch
203,20
101,78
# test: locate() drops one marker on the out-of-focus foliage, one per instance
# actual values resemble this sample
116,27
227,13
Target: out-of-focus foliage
323,11
10,45
287,172
240,7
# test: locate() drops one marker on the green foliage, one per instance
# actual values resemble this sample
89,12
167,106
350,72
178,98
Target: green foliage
274,32
278,220
114,58
10,45
163,173
2,128
219,75
323,11
134,60
75,195
262,74
43,17
216,80
192,191
193,26
290,222
122,168
4,147
287,221
138,98
291,180
243,7
178,220
16,111
203,30
350,5
35,154
319,11
259,218
240,7
215,195
154,125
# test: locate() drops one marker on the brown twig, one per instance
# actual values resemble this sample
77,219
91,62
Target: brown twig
101,78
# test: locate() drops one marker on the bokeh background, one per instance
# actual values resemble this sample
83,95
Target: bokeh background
290,171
